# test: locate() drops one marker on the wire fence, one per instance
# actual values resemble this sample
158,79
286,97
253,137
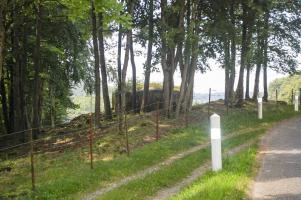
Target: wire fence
86,144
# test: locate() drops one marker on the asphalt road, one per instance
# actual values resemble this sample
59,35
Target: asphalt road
279,176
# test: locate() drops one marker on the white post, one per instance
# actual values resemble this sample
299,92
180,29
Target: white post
216,148
296,103
259,100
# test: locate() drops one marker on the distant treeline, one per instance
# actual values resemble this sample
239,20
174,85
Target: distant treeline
285,87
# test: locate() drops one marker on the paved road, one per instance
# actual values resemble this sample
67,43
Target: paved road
279,176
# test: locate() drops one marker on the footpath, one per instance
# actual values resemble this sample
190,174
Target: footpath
279,175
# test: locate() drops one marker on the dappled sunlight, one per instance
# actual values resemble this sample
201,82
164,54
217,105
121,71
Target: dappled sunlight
165,125
279,152
62,141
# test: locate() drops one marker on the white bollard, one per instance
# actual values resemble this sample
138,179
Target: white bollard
296,103
259,100
216,148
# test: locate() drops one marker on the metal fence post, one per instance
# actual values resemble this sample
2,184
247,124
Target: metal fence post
157,121
126,133
186,118
91,142
33,178
209,101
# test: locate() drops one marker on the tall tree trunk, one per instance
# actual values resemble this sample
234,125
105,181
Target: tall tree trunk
233,55
134,84
2,33
245,43
52,106
265,56
166,74
258,63
37,79
4,105
247,96
124,71
190,62
24,82
149,56
96,64
227,67
119,106
105,90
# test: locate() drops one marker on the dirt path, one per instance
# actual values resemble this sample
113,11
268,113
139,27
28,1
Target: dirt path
279,176
169,192
154,168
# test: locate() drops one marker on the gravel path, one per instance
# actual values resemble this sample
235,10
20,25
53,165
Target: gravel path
279,176
155,168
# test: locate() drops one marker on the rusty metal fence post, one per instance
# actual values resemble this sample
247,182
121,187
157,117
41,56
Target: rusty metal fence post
157,121
126,133
209,101
33,178
292,96
91,142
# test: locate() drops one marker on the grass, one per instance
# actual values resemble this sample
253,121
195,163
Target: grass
230,183
169,175
67,175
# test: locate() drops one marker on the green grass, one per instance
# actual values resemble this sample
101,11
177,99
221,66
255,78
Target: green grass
67,175
169,175
231,183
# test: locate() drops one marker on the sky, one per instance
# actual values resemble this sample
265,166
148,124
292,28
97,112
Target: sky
214,79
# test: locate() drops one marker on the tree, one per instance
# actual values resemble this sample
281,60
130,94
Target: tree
36,105
149,54
106,98
96,64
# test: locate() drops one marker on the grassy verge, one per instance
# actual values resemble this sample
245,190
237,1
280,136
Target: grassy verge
231,183
169,175
68,175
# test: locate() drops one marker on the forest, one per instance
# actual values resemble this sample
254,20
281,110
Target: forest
47,48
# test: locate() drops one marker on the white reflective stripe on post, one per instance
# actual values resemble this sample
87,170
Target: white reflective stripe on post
259,100
216,148
296,103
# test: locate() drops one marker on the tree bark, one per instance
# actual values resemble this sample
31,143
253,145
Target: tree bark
124,71
4,105
37,79
227,67
233,55
258,63
134,84
247,96
96,64
119,79
265,56
149,56
245,43
2,33
105,90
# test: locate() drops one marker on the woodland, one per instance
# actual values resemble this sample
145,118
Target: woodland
48,47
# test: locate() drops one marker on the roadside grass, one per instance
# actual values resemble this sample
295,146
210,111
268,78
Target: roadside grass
169,175
67,175
231,183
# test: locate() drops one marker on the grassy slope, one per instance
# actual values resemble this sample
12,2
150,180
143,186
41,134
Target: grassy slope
68,175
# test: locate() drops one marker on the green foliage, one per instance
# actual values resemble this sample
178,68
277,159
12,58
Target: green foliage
285,86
